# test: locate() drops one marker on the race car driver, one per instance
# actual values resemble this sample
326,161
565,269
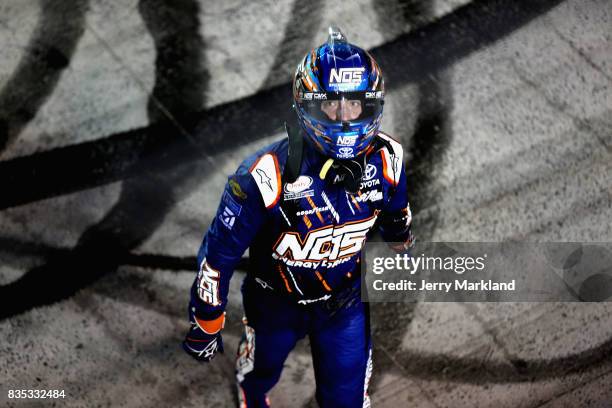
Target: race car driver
304,207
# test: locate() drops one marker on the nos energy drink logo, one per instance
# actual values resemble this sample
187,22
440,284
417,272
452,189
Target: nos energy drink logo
325,247
346,75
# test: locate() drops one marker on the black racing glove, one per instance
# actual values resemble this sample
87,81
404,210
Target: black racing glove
204,338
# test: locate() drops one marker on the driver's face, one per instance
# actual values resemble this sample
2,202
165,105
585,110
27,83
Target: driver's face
344,110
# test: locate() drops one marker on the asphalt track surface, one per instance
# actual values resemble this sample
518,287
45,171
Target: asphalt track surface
120,121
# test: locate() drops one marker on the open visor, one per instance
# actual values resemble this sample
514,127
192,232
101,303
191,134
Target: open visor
336,108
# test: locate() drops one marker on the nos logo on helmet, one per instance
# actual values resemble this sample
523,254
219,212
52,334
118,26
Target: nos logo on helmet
346,75
346,140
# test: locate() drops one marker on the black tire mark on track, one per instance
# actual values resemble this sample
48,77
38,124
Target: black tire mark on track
427,145
145,200
59,28
437,46
409,58
472,370
297,41
431,139
180,78
143,260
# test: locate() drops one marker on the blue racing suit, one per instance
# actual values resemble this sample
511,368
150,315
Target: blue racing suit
304,240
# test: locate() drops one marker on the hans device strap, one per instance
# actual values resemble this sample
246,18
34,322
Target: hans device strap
291,172
294,155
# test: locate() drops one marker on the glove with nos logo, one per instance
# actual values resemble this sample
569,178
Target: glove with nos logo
204,337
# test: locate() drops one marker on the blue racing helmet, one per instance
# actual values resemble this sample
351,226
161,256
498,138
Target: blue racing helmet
338,94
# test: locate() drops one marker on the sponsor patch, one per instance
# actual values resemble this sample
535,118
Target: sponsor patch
345,153
369,173
369,184
264,178
346,140
326,247
346,75
312,211
228,217
208,284
339,178
317,96
231,210
236,189
371,195
298,195
374,95
301,184
265,172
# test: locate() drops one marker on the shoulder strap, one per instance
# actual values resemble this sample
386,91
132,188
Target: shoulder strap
294,154
291,171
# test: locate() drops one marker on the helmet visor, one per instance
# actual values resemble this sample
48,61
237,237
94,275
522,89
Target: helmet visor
336,108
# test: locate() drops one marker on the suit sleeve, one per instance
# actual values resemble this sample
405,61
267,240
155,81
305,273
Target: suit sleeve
239,217
396,217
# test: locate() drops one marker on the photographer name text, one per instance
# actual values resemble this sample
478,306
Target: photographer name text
456,285
457,265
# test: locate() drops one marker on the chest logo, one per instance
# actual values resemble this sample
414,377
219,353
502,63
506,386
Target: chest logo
372,196
301,184
370,172
325,247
